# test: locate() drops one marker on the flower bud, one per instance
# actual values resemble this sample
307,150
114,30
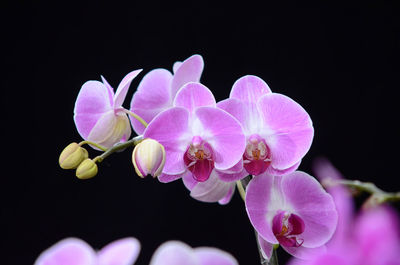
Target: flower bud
72,156
148,158
87,169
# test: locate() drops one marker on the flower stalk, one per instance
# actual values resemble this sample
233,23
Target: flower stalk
118,147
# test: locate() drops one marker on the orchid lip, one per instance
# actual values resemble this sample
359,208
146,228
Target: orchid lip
199,159
287,228
257,155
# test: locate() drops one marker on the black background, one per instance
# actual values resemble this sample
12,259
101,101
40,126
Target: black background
339,63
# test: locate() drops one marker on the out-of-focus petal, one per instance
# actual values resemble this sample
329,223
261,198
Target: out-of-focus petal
174,252
152,97
211,190
249,88
266,247
263,201
70,251
247,113
223,133
123,87
326,172
121,252
289,129
313,205
171,129
176,65
193,95
214,256
189,71
305,253
92,102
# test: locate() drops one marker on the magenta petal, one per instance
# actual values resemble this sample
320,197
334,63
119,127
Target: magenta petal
171,129
123,87
265,247
288,132
263,201
211,190
92,102
188,180
249,88
302,252
152,97
70,251
229,177
223,133
174,252
201,169
164,178
213,256
189,71
280,172
121,252
194,95
317,209
227,198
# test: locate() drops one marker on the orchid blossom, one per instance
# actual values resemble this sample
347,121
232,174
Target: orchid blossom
156,92
278,130
293,211
197,136
99,115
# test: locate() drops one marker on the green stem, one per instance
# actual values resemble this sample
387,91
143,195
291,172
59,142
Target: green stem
102,148
118,147
137,117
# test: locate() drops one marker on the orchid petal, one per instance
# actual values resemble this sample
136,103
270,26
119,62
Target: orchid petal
305,253
290,129
317,209
229,195
189,71
249,88
223,133
214,256
211,190
152,97
165,178
280,172
246,113
121,252
176,65
188,180
193,95
123,87
171,129
110,90
232,176
70,251
263,201
174,252
266,248
92,102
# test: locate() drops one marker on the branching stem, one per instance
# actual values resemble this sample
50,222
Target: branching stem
118,147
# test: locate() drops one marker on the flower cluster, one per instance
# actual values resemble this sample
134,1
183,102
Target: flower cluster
255,139
74,251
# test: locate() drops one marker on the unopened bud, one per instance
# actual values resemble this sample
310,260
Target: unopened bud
72,156
87,169
148,158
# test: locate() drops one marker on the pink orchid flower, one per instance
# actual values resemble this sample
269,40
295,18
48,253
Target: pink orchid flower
156,92
73,251
99,115
291,210
178,253
197,136
278,130
370,238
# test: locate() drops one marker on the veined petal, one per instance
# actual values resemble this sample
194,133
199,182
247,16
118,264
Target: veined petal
317,209
246,113
280,172
70,251
189,71
211,190
171,129
92,102
121,252
249,88
214,256
229,195
165,178
174,252
224,134
264,200
152,97
289,130
193,95
123,87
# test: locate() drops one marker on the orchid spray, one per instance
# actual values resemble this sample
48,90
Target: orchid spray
255,140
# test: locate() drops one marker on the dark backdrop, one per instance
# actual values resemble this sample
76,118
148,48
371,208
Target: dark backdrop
337,62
